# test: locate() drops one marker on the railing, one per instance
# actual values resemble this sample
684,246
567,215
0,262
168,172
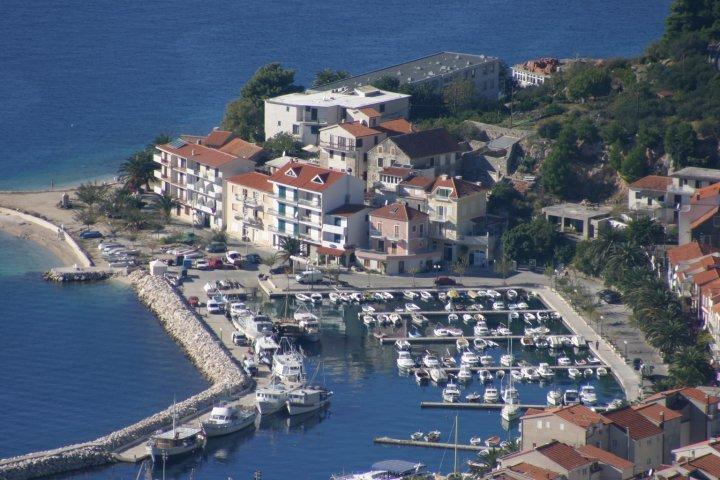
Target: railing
314,202
249,201
317,221
285,215
337,146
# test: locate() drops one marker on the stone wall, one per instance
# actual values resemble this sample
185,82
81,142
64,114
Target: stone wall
215,363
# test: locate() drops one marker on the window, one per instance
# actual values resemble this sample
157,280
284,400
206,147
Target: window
296,129
539,424
397,231
279,123
314,129
342,156
316,179
337,221
380,162
381,107
421,230
414,228
562,426
432,161
287,109
337,238
365,157
376,139
358,143
332,153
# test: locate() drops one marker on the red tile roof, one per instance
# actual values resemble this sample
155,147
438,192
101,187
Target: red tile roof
397,171
579,415
242,149
217,138
637,426
705,277
706,192
348,209
357,129
254,180
305,176
652,182
397,127
418,181
201,154
704,216
698,395
689,251
370,112
534,472
709,463
594,453
398,211
459,188
564,455
657,413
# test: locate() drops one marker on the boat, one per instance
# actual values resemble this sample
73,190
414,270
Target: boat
301,297
476,466
479,344
416,436
309,325
307,399
265,348
430,360
480,329
601,372
491,395
395,318
469,358
564,361
479,317
271,399
440,331
574,373
411,307
588,372
510,393
504,331
442,296
176,442
454,332
543,316
368,309
368,320
592,360
316,297
493,294
356,297
529,316
616,403
510,412
421,375
414,333
462,343
578,341
580,362
383,319
438,375
334,297
465,374
433,436
513,315
530,374
545,371
405,360
541,342
507,360
498,306
410,295
419,319
449,307
225,419
451,393
452,318
468,318
516,375
571,397
426,296
448,361
511,294
378,296
588,395
527,341
493,441
475,441
473,397
289,368
554,398
402,344
487,360
485,375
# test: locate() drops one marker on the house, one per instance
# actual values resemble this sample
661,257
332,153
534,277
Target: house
303,197
650,196
578,218
436,70
634,437
535,72
433,148
695,450
302,115
192,170
611,466
680,258
699,412
249,201
557,457
706,467
574,425
700,220
344,229
695,177
669,421
398,241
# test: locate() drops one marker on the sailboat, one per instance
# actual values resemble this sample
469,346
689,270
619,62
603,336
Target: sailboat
308,399
511,397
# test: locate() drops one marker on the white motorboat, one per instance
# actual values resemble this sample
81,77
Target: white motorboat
252,325
513,316
440,331
575,373
578,341
523,306
176,442
529,316
442,296
413,332
452,318
301,297
416,436
451,393
601,372
410,295
498,306
554,398
430,360
405,360
368,320
265,348
480,318
419,319
316,297
616,403
448,361
510,394
454,332
507,360
588,372
485,375
426,296
383,319
571,397
461,344
476,441
433,436
411,307
511,294
387,295
271,399
510,412
491,395
402,344
465,374
530,374
449,307
473,397
438,375
307,399
564,361
309,325
368,309
504,331
378,296
516,375
421,376
356,297
541,342
468,318
334,297
588,395
543,316
545,371
289,368
487,360
480,329
469,358
395,319
527,341
480,344
225,419
493,294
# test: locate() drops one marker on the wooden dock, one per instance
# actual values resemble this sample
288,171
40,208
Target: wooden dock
416,443
475,406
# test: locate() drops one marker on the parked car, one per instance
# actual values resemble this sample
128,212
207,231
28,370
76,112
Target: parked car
609,296
444,281
253,258
239,339
216,263
90,234
309,276
216,247
278,270
637,363
202,264
234,258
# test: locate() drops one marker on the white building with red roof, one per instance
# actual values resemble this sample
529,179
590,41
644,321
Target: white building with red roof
192,170
249,201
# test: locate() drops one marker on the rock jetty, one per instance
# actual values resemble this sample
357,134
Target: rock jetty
78,274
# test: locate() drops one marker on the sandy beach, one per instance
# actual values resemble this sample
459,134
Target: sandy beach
39,236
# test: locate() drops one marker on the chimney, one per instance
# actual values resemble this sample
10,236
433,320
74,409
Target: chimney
662,418
192,152
443,176
458,177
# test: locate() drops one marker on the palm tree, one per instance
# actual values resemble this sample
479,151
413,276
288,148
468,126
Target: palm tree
691,367
167,204
289,246
668,333
137,170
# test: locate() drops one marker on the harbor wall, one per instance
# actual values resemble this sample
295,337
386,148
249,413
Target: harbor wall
213,361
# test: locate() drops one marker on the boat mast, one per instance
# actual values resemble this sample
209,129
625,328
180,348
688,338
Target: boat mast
456,444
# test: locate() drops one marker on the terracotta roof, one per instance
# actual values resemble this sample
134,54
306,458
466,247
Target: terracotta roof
660,395
396,171
705,277
533,411
370,112
217,138
357,129
580,415
656,413
398,211
564,455
426,143
418,181
701,215
595,453
698,395
652,182
637,426
534,472
689,251
347,210
255,180
706,192
334,252
306,176
242,149
201,154
397,127
709,463
459,188
703,263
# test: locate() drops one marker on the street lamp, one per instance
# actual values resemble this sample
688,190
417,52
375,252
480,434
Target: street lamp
625,342
220,334
602,319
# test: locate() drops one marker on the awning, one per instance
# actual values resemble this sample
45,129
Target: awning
334,252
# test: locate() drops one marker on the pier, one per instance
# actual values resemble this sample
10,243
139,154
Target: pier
419,443
475,406
456,312
416,340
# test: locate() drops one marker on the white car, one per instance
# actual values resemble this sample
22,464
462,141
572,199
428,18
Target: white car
202,264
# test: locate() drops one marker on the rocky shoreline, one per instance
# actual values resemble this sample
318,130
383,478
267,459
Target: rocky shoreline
186,328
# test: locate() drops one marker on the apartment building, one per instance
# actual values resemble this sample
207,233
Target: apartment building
249,201
682,261
700,220
669,421
436,70
556,457
344,229
430,149
398,241
575,425
303,199
634,437
699,410
650,196
303,114
192,170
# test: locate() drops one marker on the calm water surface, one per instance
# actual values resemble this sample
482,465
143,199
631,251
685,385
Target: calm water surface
84,84
77,361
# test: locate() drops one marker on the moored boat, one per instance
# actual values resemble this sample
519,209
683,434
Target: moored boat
554,398
225,419
307,399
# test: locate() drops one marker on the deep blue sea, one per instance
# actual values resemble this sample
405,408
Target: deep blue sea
77,361
84,84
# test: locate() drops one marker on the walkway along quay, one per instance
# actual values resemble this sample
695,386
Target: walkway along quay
188,330
417,443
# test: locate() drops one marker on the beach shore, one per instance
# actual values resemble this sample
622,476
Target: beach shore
39,236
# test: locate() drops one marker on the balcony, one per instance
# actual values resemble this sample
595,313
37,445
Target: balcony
247,201
335,229
309,237
310,202
337,146
310,220
284,215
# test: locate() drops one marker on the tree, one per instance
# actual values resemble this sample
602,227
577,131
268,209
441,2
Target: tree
166,204
535,240
555,172
391,84
328,75
634,165
289,246
425,101
549,129
668,333
615,156
245,118
644,231
691,367
137,171
459,267
692,16
585,82
283,143
459,95
679,142
586,130
91,193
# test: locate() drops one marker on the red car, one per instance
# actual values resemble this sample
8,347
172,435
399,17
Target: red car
215,263
444,281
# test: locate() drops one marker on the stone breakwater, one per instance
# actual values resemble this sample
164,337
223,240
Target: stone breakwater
72,274
215,363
